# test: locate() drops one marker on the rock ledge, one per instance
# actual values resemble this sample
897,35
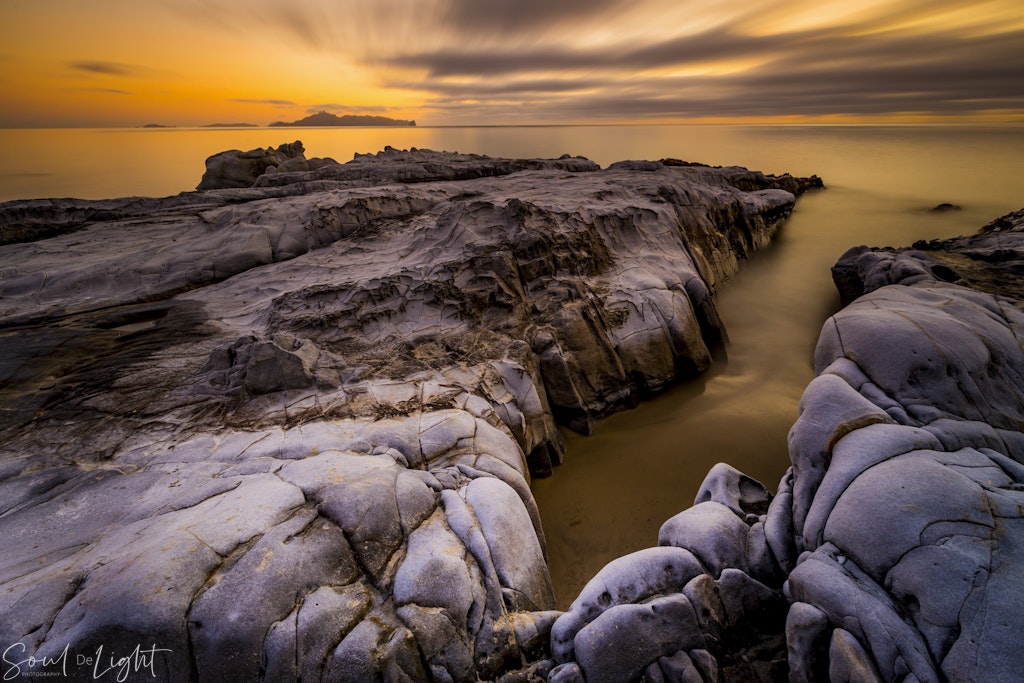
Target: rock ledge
287,429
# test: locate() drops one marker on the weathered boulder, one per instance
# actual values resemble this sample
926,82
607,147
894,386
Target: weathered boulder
288,430
990,261
704,606
892,550
923,591
235,168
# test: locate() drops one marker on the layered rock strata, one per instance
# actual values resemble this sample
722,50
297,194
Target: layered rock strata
892,550
287,431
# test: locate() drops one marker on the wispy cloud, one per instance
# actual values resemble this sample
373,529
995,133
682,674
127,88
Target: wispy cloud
276,103
515,17
348,108
107,68
873,65
526,61
110,91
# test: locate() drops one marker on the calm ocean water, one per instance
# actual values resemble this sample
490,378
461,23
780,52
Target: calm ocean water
640,467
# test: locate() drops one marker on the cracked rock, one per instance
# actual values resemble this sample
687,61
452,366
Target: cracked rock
284,427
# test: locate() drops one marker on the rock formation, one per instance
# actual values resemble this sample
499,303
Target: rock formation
235,168
287,430
892,549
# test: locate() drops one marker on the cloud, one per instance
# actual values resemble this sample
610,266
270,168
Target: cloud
110,91
107,68
857,68
313,108
705,48
105,91
276,103
334,107
551,60
521,16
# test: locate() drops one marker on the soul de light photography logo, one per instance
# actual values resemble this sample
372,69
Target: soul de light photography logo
101,664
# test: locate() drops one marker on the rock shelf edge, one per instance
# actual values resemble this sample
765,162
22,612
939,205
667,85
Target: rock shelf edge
286,429
891,550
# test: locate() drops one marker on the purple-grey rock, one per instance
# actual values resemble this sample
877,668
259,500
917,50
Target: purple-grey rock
236,168
899,527
285,428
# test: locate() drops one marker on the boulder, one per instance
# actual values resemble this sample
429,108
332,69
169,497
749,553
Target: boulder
235,168
892,549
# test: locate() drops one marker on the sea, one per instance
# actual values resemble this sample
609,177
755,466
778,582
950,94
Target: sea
618,485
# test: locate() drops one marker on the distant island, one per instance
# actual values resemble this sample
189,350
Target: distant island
324,118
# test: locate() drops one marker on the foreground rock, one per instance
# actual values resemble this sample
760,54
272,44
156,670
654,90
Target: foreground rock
892,550
287,431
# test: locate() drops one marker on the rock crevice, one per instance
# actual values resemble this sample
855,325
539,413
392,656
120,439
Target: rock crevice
892,549
285,426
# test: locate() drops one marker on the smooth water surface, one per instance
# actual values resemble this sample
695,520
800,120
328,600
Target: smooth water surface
643,466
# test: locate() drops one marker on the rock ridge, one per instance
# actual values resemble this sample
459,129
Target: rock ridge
287,430
915,421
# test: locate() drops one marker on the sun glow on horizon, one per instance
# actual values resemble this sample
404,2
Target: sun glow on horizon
460,62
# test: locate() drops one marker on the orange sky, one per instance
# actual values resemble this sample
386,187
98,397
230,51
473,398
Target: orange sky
450,62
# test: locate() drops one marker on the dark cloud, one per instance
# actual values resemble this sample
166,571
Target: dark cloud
352,109
703,48
521,16
313,108
551,60
276,103
108,91
511,88
107,68
819,72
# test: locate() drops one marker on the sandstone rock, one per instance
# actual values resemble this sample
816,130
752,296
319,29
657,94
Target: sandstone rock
712,532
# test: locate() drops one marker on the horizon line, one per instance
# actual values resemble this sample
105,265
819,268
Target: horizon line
150,127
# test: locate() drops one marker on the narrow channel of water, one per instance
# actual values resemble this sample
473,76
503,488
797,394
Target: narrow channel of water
640,467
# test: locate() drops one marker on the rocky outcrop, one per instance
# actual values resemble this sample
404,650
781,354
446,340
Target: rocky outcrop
423,165
235,168
288,431
705,605
990,261
891,551
926,386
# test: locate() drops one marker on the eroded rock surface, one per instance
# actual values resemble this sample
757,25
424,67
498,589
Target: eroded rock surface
235,168
892,549
287,430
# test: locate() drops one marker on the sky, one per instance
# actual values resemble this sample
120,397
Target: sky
69,63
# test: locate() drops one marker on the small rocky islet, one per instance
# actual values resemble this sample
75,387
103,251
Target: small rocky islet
284,427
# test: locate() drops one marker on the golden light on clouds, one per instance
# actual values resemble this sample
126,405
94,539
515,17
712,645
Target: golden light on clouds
194,62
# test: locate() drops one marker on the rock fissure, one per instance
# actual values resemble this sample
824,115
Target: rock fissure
375,359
